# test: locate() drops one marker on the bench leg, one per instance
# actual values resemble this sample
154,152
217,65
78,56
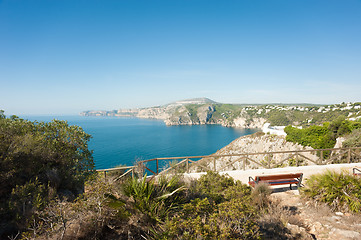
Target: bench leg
291,186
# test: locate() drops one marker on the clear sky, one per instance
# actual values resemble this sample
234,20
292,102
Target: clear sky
66,56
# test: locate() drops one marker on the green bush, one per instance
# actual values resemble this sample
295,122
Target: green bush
39,161
156,200
317,137
237,191
279,118
27,198
322,137
212,185
340,191
218,208
202,219
353,140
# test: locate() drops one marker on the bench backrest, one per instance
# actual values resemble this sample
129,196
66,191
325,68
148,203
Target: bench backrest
278,176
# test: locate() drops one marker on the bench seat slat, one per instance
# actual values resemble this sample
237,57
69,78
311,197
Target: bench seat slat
273,182
279,179
281,182
280,176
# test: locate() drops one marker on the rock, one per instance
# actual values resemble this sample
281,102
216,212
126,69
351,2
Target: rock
335,218
255,143
316,228
299,231
344,234
339,142
339,213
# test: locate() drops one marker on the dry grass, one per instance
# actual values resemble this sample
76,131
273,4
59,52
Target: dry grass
275,223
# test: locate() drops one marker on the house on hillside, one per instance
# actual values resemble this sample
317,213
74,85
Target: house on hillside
277,130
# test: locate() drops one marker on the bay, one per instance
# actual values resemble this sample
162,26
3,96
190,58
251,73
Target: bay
122,141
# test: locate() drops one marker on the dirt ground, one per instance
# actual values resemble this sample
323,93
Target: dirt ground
318,222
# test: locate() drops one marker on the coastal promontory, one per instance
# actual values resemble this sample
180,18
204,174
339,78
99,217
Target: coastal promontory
205,111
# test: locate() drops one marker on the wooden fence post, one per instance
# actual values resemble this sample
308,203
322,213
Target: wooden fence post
187,165
157,166
321,157
349,155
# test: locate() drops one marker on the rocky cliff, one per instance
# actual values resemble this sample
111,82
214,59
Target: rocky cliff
205,111
257,143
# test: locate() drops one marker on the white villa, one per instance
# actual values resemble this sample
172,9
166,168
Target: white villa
277,130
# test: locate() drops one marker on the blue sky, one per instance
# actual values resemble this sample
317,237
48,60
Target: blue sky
66,56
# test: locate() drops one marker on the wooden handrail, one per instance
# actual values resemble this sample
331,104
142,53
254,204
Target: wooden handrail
114,169
245,157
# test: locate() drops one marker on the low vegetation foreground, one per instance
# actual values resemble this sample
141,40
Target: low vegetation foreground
50,190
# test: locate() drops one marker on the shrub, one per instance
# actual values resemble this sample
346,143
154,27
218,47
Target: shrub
340,191
27,198
353,140
191,223
321,137
87,217
218,208
237,191
212,185
317,137
260,195
156,200
44,159
236,219
279,118
200,219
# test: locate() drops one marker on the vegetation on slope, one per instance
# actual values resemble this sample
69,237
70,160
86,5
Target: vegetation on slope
44,166
214,207
341,191
276,114
323,137
39,162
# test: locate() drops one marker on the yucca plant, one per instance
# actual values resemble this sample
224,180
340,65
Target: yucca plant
140,191
153,199
341,191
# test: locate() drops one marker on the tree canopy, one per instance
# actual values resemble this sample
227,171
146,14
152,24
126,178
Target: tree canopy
321,137
39,161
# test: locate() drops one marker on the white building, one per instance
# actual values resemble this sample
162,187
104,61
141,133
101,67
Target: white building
277,130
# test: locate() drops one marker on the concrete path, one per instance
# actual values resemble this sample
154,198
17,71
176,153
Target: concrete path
306,170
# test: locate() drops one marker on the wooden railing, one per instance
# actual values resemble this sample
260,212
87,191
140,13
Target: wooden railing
127,170
241,161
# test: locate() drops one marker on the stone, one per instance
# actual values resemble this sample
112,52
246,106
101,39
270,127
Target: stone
345,234
339,213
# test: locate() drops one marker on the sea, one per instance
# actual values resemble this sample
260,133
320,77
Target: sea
124,141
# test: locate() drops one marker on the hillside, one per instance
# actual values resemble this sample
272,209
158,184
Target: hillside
205,111
255,143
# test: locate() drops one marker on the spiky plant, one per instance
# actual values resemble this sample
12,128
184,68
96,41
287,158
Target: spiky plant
341,191
153,199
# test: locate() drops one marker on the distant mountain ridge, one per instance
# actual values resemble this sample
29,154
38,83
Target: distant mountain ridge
206,111
193,101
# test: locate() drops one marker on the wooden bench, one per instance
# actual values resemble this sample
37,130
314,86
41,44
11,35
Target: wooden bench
278,179
356,172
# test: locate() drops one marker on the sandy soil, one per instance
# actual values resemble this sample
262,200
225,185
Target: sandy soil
319,221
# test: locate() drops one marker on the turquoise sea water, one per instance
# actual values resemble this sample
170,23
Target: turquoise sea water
124,140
